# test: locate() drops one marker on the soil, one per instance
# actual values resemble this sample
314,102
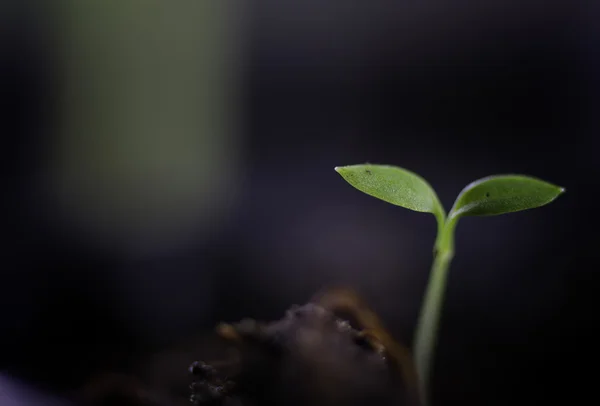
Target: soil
312,356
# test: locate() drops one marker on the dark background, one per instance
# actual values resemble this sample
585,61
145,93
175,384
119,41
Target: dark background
453,91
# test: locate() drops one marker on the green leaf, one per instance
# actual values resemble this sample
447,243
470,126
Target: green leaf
394,185
503,194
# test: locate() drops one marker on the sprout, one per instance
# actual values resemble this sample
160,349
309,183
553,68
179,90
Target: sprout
485,197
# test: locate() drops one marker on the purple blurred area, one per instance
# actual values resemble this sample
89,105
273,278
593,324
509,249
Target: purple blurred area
16,393
452,90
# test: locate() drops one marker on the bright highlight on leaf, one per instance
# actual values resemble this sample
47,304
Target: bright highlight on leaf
503,194
394,185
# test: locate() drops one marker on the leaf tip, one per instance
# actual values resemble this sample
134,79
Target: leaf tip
337,169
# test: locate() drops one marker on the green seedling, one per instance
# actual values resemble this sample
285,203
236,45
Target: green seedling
485,197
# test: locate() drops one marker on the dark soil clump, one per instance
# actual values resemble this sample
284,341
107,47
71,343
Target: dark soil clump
310,357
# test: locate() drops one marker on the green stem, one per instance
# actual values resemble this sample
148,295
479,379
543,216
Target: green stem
440,217
429,318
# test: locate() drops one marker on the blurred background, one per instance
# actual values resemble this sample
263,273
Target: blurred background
169,165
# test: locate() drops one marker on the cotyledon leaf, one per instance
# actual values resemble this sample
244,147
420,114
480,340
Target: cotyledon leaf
394,185
501,194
